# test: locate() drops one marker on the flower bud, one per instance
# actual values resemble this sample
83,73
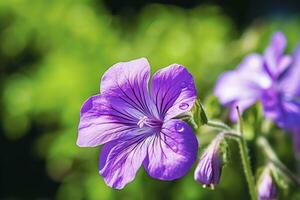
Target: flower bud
267,189
208,171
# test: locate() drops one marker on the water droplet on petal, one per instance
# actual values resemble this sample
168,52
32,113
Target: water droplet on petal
179,127
184,106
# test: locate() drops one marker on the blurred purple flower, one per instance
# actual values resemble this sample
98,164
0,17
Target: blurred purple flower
137,124
272,78
209,168
267,189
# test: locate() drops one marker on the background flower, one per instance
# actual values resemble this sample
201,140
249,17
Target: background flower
273,79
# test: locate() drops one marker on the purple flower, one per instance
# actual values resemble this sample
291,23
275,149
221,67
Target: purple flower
272,78
209,168
267,189
136,124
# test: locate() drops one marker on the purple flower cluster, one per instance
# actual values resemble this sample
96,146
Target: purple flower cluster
272,78
137,125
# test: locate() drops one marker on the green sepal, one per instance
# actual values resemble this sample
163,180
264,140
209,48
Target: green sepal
199,114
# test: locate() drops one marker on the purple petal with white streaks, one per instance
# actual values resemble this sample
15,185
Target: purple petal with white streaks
135,123
209,168
172,151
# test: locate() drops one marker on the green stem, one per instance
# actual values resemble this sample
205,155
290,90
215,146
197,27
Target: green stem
238,136
245,159
193,124
218,125
271,155
247,168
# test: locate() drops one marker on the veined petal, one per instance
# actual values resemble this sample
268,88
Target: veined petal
209,168
104,118
173,91
242,87
285,112
172,152
120,159
128,81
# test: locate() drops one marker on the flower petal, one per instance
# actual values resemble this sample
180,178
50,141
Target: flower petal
243,86
128,81
275,61
102,119
172,152
277,44
173,91
274,52
209,168
290,83
123,101
120,160
285,112
284,64
267,189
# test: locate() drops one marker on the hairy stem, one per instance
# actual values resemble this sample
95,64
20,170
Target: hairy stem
271,155
218,125
247,168
245,159
238,136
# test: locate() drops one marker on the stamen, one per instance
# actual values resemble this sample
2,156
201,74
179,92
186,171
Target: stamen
142,121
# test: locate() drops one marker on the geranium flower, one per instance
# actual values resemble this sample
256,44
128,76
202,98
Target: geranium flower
273,79
136,124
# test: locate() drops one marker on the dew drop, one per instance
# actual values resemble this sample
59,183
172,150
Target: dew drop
179,127
183,106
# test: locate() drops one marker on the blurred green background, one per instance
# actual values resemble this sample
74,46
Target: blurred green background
53,54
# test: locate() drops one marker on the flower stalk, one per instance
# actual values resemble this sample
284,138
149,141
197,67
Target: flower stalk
270,154
238,136
218,125
245,159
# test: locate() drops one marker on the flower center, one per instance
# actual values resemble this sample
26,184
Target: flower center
142,121
153,123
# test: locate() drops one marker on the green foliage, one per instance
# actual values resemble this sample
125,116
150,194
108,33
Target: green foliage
68,45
